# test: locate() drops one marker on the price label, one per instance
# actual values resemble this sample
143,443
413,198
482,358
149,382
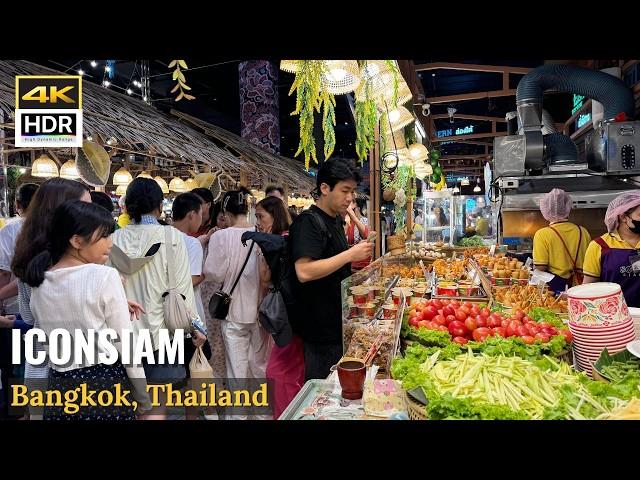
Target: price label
528,263
492,251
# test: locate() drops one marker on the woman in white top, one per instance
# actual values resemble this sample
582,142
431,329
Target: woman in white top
73,290
246,343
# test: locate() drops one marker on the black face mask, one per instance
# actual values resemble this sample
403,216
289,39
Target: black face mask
636,226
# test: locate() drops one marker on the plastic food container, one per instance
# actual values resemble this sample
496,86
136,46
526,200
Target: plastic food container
448,288
468,290
408,293
389,311
368,310
360,295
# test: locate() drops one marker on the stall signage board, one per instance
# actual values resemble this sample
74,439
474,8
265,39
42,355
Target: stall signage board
48,111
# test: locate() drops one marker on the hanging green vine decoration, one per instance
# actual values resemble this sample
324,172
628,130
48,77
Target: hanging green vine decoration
396,75
311,98
366,121
328,123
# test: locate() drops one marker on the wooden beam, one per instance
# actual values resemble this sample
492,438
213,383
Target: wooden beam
505,81
469,117
471,67
628,65
408,71
472,96
471,135
493,126
465,157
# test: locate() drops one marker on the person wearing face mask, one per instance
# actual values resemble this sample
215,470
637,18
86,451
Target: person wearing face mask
615,256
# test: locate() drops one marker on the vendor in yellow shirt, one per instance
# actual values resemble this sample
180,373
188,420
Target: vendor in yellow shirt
123,219
614,257
560,248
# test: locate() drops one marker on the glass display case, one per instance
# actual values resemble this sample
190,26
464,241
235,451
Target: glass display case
436,217
373,303
473,216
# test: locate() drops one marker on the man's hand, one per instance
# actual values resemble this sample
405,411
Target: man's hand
361,251
198,338
135,309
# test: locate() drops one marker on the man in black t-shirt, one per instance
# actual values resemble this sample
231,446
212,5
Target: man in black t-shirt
322,259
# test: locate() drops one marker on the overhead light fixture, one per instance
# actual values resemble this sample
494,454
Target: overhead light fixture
68,170
106,83
44,167
163,184
80,72
144,174
291,66
191,183
477,187
23,170
177,185
107,68
465,182
94,64
418,152
451,111
129,91
456,189
122,177
144,98
400,118
121,190
342,76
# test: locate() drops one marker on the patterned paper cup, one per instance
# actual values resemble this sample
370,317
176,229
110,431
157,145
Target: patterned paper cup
597,304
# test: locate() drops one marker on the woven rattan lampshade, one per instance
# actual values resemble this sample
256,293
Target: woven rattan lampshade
122,177
163,184
422,169
418,152
177,185
68,170
400,141
342,76
44,167
399,118
190,183
121,190
377,78
291,66
144,174
404,93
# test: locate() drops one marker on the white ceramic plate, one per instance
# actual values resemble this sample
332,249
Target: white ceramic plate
634,347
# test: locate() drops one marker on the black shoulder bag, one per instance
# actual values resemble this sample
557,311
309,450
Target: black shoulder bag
220,301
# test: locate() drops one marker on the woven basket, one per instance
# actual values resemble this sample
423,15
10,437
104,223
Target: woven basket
415,410
395,242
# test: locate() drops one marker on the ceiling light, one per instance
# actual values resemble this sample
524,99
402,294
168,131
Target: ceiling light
80,72
94,64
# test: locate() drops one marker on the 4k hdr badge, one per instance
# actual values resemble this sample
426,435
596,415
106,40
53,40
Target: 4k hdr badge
49,111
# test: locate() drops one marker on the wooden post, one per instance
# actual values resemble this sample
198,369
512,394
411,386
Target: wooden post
244,178
375,192
409,222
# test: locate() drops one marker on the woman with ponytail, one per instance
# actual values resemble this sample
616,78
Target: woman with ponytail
73,290
246,343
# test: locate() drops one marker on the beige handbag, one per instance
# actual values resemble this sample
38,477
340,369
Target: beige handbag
199,365
176,312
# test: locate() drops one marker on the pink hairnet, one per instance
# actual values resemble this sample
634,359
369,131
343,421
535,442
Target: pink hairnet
555,205
618,206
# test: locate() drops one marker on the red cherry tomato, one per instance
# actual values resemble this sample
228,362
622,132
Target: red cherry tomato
450,318
475,310
457,329
481,333
567,335
439,320
414,322
423,323
485,312
543,337
493,321
528,339
460,340
471,324
522,331
443,328
461,315
499,331
437,303
481,321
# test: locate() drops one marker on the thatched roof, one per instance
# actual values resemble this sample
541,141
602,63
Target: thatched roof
143,129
